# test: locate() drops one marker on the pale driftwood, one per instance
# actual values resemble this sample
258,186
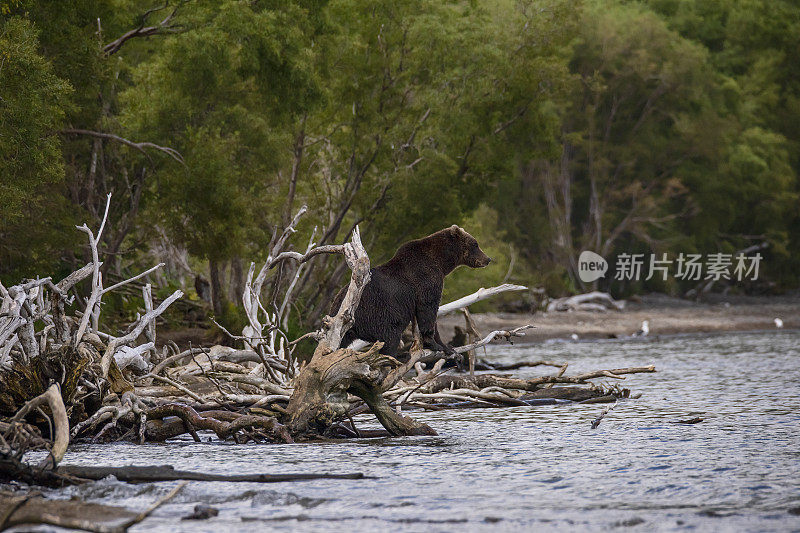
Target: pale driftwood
175,358
324,390
265,334
130,337
76,277
97,282
52,398
125,356
591,301
336,326
320,397
134,278
477,296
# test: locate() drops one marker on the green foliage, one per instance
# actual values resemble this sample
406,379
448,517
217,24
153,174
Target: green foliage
754,190
31,107
668,141
225,94
542,126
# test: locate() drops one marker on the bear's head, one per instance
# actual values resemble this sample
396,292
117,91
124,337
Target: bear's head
470,254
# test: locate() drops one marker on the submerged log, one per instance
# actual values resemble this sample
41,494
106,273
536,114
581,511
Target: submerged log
494,380
32,509
148,474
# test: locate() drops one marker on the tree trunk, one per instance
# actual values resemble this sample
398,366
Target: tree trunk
217,297
237,277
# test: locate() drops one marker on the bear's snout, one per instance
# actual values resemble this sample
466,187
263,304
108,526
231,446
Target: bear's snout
481,260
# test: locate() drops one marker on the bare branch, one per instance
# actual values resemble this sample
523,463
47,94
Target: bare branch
134,278
141,146
97,280
335,327
115,343
477,296
144,31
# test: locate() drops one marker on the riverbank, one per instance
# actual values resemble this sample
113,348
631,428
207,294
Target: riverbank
665,316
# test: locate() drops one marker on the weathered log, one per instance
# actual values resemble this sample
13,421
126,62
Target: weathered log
52,398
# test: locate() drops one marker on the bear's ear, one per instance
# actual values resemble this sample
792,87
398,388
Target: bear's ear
458,231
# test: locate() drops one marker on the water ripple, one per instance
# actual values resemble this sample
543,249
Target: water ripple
539,467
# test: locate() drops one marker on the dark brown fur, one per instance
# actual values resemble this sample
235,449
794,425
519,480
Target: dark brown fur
409,287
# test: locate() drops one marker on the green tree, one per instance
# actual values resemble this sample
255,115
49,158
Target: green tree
422,99
754,197
32,106
226,92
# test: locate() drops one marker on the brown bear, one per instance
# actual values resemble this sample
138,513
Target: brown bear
409,287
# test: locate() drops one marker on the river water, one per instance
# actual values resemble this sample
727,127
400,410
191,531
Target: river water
528,468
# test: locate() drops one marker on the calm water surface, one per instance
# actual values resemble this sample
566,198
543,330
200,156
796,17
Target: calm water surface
529,468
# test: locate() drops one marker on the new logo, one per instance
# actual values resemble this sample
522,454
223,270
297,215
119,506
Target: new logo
591,266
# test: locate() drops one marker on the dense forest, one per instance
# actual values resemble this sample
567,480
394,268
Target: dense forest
543,127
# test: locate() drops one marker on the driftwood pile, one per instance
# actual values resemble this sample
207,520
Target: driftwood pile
62,378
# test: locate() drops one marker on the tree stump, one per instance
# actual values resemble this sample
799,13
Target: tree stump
320,396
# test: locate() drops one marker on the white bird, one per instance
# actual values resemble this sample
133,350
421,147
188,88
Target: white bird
778,323
644,330
574,336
